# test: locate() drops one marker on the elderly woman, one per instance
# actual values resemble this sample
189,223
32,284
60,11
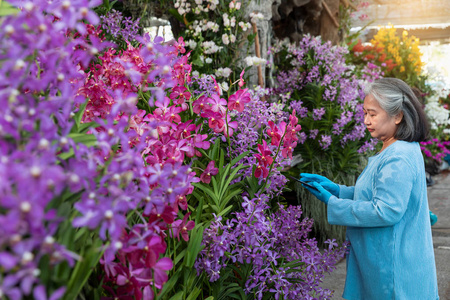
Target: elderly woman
386,212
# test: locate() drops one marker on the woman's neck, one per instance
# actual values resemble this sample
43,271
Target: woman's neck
388,142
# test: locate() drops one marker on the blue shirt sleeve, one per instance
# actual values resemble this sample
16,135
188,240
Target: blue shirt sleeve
389,191
346,192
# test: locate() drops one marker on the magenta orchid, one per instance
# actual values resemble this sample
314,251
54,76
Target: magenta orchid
209,171
238,100
181,227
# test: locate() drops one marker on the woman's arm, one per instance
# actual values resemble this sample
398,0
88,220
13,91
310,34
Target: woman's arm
391,192
346,192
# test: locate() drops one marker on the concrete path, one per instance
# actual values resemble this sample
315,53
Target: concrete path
439,202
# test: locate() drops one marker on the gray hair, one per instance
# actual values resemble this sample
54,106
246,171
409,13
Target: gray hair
395,96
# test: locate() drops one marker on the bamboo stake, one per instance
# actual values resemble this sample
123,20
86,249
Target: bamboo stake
348,3
327,9
258,54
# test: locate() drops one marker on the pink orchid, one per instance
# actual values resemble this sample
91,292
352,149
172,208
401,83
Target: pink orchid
180,45
241,80
199,141
217,104
159,271
292,128
261,171
214,119
172,114
181,227
209,171
181,202
227,131
264,149
163,107
200,105
275,133
264,160
238,100
181,94
216,86
182,64
288,149
184,129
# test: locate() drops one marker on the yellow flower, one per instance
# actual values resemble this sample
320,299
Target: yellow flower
402,49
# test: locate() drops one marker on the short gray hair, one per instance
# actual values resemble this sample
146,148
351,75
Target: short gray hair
395,96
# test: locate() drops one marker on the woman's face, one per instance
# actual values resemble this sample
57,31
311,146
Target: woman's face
380,125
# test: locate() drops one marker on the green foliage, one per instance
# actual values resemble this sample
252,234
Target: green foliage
7,9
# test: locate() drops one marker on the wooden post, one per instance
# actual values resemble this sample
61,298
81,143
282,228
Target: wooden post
330,14
329,24
258,54
348,3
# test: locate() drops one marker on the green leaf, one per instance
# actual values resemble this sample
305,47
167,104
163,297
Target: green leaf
251,37
83,270
78,116
238,158
293,264
215,151
180,255
198,62
84,138
66,155
208,191
84,127
177,296
229,291
223,174
215,187
221,160
225,211
194,246
170,284
194,294
225,201
226,184
7,9
175,13
199,211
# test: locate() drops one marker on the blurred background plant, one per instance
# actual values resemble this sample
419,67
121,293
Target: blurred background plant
397,56
435,149
217,35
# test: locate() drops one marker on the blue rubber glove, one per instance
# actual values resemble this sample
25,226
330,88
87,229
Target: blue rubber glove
321,193
327,184
433,218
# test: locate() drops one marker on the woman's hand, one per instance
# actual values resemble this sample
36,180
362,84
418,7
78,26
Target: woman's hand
326,183
320,193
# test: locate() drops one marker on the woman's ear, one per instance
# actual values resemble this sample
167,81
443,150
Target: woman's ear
398,118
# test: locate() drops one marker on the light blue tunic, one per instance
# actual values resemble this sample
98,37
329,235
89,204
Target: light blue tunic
388,225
